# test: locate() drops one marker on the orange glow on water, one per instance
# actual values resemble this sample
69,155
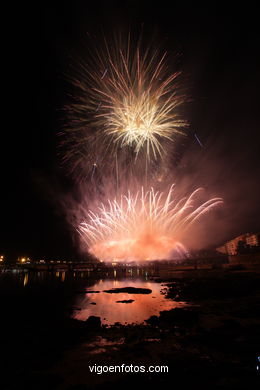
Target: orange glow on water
106,305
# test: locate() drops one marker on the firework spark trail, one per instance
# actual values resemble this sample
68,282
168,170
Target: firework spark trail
139,109
127,99
120,125
140,226
198,140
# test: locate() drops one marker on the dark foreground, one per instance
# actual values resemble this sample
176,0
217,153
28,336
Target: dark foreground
211,344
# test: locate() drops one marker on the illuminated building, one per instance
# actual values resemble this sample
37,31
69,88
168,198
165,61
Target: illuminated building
231,247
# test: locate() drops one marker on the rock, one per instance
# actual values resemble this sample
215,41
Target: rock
153,320
129,290
126,301
93,322
179,316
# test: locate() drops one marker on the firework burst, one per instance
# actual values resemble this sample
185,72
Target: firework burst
127,102
141,226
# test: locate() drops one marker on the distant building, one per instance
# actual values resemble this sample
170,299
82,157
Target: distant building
246,240
252,239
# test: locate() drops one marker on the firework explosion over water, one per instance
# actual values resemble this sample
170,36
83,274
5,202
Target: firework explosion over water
123,123
126,108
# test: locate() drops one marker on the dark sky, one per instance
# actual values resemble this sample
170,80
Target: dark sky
220,56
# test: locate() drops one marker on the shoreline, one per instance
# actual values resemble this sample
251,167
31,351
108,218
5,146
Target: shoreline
212,340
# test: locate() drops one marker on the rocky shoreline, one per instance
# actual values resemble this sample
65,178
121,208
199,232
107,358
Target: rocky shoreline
211,343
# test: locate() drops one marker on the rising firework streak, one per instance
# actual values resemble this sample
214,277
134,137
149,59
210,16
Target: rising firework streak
198,140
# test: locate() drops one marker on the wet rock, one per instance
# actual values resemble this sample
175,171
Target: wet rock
178,316
178,331
153,320
175,319
231,324
247,312
93,322
126,301
129,290
78,387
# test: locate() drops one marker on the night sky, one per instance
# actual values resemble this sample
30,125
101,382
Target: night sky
219,48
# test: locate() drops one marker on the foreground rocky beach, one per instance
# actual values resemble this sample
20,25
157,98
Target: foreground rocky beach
212,342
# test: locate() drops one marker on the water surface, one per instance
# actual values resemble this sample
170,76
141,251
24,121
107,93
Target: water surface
110,310
45,294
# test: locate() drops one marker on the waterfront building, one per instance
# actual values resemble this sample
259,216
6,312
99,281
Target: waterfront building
246,240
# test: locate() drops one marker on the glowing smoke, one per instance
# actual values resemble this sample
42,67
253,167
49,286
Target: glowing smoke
143,226
127,113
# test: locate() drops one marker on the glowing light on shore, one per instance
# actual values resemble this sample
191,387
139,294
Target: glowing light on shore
144,225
